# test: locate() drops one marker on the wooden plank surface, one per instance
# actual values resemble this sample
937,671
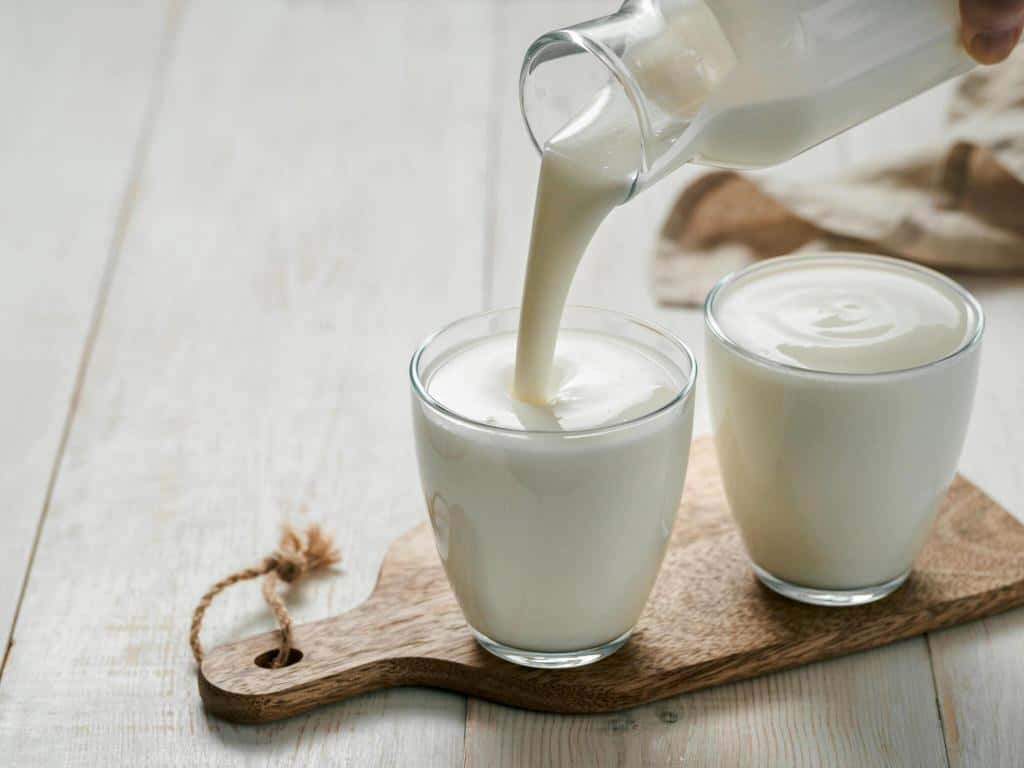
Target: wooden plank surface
327,182
813,716
75,86
825,714
311,206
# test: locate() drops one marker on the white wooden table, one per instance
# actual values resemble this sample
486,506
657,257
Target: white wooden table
224,225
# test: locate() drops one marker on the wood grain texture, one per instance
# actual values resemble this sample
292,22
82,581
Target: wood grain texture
813,715
311,206
708,621
74,89
980,676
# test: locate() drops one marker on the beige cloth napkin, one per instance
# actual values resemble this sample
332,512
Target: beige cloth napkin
957,205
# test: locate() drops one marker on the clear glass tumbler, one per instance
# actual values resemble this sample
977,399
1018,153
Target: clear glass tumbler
552,540
834,479
738,83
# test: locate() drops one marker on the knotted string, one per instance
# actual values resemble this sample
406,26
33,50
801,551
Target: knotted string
295,558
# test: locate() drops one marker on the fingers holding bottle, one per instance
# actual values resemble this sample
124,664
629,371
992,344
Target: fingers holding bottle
991,28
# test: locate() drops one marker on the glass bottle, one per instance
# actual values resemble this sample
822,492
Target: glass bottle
738,83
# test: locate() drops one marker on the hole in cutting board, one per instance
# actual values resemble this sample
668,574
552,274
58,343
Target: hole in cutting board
266,659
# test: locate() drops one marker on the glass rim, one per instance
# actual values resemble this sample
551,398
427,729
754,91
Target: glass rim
430,401
970,341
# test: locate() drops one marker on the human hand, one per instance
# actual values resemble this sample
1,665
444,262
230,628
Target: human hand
991,28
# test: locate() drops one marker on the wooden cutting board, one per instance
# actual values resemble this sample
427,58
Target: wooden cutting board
708,621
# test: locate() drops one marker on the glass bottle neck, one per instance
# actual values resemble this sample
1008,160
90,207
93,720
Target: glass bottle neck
651,66
736,83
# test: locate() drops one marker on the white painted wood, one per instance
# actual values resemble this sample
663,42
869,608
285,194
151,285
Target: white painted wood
876,708
869,709
311,207
322,189
74,86
979,676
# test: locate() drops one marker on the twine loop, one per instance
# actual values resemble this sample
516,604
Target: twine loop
296,557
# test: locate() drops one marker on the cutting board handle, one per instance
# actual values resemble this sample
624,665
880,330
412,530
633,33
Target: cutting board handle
405,633
343,656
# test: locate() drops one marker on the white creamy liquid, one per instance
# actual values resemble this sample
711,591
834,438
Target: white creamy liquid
552,539
844,317
589,167
596,381
833,474
586,170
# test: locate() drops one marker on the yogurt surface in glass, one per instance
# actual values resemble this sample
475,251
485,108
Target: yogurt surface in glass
844,316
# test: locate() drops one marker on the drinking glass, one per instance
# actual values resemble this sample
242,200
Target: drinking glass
552,540
834,479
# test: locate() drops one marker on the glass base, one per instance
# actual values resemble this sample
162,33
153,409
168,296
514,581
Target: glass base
551,660
829,597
